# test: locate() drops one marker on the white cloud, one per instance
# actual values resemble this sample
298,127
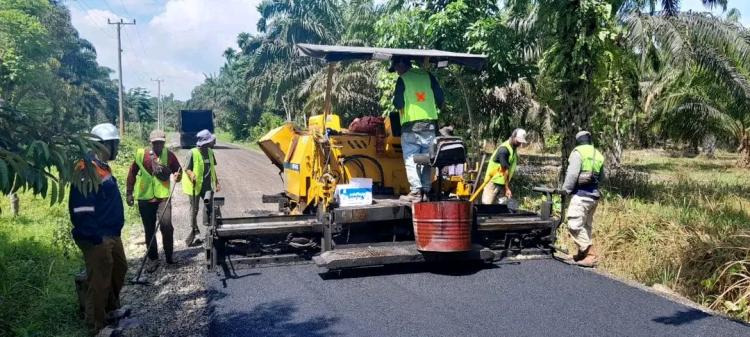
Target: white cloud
180,42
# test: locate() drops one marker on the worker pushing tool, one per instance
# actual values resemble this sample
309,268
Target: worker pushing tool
500,169
201,172
585,171
98,217
148,182
417,97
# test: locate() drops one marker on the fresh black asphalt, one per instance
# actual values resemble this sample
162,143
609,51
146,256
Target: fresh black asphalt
529,298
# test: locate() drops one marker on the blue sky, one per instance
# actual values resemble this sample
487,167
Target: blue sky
181,41
742,5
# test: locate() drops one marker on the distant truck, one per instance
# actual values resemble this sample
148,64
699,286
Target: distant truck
193,121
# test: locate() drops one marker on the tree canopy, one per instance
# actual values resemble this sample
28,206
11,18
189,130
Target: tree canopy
52,91
633,72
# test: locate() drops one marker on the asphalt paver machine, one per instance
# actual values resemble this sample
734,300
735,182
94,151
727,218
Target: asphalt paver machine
312,224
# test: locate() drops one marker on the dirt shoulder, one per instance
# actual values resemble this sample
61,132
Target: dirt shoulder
177,301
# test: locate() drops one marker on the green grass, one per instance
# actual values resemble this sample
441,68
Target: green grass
683,226
38,262
226,137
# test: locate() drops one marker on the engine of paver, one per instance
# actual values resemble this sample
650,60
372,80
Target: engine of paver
314,161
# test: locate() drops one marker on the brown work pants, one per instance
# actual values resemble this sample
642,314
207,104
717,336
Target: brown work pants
494,194
581,219
106,266
150,211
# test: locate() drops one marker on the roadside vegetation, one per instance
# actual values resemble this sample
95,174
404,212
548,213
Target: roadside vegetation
52,91
39,261
665,219
683,223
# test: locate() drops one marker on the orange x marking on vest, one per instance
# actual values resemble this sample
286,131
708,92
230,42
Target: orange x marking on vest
420,96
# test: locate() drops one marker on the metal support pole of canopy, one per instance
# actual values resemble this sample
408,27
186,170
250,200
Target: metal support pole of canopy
329,85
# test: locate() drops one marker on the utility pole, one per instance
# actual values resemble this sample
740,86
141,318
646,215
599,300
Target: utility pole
159,112
119,67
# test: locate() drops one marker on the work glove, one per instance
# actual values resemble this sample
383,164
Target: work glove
130,200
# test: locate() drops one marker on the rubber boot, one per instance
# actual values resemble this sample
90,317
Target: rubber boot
581,254
590,260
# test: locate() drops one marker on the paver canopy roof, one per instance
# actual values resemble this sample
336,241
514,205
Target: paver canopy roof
344,53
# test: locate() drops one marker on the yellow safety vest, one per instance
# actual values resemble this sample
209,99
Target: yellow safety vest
147,187
187,185
591,159
492,165
419,100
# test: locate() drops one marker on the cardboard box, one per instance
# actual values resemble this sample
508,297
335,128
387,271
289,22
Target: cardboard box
358,192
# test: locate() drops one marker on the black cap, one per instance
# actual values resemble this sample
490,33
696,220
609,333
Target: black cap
398,59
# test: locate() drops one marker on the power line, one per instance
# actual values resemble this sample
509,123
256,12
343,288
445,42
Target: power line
109,7
85,9
139,53
141,76
138,73
137,31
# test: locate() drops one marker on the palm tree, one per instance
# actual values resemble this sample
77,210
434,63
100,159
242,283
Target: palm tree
697,68
583,50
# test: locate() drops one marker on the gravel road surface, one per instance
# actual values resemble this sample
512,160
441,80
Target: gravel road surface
176,302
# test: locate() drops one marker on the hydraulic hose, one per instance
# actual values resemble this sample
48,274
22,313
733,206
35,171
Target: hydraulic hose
361,156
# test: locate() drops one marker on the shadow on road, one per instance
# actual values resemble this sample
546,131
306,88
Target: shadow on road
226,147
271,319
400,269
682,317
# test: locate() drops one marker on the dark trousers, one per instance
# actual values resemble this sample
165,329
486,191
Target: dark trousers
106,266
195,205
149,212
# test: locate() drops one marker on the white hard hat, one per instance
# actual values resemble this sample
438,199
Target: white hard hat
105,131
582,133
520,135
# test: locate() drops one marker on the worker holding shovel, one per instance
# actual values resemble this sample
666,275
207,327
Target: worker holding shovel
149,183
503,160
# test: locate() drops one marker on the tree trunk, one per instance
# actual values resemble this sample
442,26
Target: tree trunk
577,117
744,151
473,136
709,146
15,206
